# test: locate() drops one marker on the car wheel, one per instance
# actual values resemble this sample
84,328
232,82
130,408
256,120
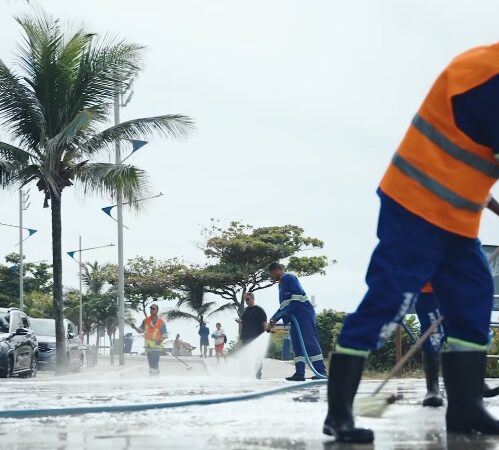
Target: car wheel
6,372
34,366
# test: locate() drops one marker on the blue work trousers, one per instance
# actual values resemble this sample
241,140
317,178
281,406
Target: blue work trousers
428,311
153,358
411,252
305,315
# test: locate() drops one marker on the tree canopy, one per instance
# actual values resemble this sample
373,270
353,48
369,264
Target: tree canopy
37,280
239,256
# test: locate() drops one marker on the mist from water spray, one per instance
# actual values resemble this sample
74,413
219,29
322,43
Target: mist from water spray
243,363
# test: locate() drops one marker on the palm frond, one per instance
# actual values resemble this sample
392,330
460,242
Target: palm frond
173,125
8,172
55,147
20,110
204,308
227,307
176,314
108,178
15,154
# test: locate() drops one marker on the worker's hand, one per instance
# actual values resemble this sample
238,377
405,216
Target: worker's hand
270,325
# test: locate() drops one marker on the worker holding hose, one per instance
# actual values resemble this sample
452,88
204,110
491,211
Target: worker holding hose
432,197
294,302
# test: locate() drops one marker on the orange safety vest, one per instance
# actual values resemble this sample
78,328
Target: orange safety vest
438,172
427,288
152,333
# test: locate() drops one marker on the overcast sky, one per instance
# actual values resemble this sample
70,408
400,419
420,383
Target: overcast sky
299,107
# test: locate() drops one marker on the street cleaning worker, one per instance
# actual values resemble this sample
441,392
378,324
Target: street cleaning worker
428,311
432,197
294,301
154,330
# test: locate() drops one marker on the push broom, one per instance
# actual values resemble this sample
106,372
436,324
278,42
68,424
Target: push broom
375,404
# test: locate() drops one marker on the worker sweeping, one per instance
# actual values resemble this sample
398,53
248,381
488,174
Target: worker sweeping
294,301
432,197
154,329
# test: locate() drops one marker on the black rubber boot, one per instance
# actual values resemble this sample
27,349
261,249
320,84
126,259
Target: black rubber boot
431,364
489,392
463,376
344,377
296,377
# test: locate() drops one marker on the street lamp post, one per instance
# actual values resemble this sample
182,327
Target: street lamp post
121,267
23,199
21,256
71,254
81,290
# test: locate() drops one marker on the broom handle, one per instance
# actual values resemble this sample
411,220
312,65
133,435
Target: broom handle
410,353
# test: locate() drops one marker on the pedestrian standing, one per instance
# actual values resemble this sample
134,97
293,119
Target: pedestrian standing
432,198
295,303
220,340
253,323
154,330
204,333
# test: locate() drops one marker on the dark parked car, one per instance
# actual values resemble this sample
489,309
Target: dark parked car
45,332
18,344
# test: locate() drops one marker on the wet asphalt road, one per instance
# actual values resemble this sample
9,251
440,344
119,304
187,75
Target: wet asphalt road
284,421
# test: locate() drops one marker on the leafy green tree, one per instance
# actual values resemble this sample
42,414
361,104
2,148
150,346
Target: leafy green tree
147,280
99,301
239,257
54,110
37,280
193,299
39,304
329,323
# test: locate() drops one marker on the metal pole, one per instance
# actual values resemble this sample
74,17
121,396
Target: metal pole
81,293
121,268
21,255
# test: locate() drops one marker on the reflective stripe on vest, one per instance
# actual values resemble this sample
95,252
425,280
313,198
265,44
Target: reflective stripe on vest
482,165
434,186
294,298
151,332
439,173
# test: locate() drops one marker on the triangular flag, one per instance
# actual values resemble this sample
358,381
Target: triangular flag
72,254
136,145
107,209
31,231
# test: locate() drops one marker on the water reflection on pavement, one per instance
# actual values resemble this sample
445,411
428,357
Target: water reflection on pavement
285,421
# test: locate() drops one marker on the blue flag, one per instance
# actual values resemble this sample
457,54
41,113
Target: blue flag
136,145
107,209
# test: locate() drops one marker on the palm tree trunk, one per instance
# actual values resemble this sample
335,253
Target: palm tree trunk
60,332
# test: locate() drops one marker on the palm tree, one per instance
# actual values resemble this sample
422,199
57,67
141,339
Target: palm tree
194,301
54,108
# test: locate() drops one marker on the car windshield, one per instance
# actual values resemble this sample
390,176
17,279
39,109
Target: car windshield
43,327
4,323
